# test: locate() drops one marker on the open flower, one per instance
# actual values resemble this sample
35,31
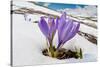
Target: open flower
67,29
48,28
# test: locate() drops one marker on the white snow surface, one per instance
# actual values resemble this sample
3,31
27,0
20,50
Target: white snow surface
28,41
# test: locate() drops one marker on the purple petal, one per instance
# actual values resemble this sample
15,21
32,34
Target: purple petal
64,33
43,26
73,31
63,15
60,29
50,20
67,30
61,24
52,27
57,20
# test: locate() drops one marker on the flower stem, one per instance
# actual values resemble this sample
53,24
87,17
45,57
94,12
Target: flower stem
51,50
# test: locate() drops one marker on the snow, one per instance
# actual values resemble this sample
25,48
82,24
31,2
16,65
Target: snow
28,41
35,7
88,30
30,16
87,11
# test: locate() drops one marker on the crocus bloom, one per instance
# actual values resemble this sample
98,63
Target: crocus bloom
67,29
48,28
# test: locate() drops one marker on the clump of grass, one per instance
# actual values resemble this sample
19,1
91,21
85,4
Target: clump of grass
64,53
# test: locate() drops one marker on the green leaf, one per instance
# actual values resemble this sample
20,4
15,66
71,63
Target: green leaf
81,55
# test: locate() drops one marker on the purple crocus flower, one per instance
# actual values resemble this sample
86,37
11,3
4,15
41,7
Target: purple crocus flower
48,28
67,29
